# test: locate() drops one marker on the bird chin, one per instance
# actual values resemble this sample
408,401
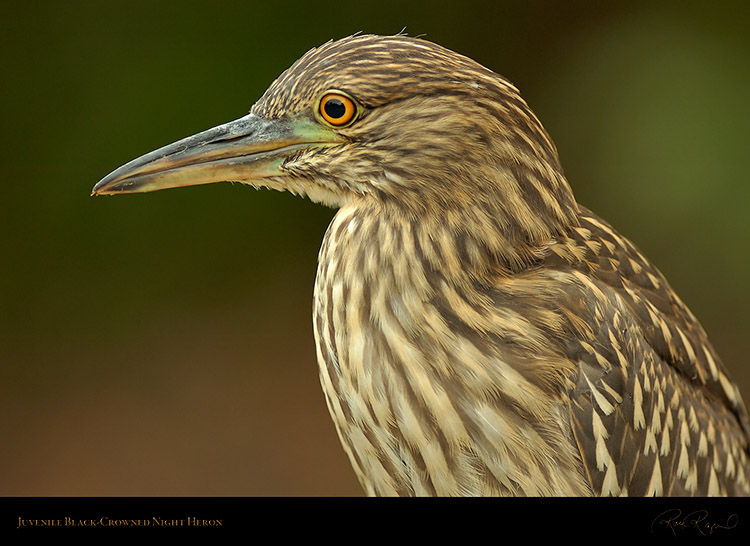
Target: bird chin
316,191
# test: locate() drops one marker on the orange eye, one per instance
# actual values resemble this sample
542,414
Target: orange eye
337,109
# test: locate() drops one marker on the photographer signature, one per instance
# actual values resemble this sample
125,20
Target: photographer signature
697,520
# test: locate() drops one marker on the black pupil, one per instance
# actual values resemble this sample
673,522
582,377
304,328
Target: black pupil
335,108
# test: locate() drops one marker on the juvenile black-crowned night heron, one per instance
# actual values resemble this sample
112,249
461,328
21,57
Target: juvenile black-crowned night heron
478,332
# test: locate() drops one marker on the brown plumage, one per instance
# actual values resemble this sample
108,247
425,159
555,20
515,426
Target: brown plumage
478,332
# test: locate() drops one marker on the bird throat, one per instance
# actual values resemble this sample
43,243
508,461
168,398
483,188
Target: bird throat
388,350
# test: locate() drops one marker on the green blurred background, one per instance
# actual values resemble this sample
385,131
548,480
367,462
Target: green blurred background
162,344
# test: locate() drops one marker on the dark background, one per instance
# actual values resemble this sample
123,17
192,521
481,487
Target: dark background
161,344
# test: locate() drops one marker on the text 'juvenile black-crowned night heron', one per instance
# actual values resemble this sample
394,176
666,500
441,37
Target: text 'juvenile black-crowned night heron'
478,332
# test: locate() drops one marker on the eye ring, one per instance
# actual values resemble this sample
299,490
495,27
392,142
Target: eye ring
337,109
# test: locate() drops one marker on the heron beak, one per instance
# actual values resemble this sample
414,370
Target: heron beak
246,150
